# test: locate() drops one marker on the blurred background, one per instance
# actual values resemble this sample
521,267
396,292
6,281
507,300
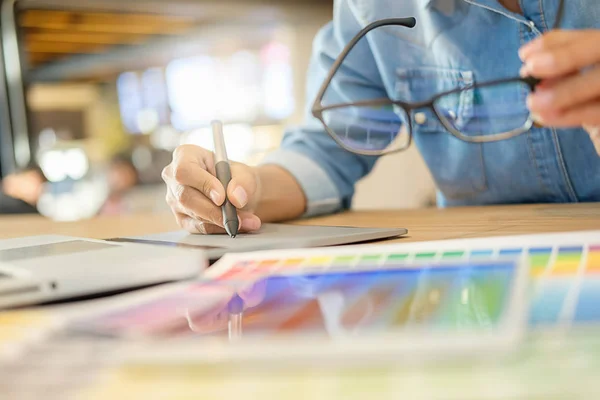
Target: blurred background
97,94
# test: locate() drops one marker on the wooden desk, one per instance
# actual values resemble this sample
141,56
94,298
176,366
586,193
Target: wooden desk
422,224
523,373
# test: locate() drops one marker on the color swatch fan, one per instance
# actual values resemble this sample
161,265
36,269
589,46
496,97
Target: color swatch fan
564,267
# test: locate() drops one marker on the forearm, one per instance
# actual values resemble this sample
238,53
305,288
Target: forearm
281,197
311,174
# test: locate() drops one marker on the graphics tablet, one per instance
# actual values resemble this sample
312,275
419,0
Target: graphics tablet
270,236
370,313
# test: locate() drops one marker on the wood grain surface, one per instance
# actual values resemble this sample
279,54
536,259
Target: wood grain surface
422,224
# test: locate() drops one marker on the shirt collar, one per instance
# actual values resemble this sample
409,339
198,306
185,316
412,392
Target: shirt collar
448,6
444,6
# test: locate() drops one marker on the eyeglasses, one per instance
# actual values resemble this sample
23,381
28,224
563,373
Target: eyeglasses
371,124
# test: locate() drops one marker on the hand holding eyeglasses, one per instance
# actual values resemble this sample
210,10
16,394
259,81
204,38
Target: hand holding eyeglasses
568,62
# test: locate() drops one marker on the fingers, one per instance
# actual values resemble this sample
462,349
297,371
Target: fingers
561,52
186,201
242,186
197,171
560,95
190,201
594,132
196,154
588,114
568,62
191,168
249,223
196,214
195,195
546,42
196,226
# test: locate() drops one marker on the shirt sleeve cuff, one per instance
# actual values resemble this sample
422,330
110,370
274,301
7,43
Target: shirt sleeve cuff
321,193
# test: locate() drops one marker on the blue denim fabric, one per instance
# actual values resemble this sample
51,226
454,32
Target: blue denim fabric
455,42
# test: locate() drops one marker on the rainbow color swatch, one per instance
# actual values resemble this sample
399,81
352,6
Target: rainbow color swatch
564,268
477,297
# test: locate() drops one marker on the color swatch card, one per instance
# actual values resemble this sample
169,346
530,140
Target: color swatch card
564,267
430,309
431,296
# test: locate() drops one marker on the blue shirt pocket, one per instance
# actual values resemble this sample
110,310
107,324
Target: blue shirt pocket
457,167
421,84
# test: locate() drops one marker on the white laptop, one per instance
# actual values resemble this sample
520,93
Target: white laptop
41,269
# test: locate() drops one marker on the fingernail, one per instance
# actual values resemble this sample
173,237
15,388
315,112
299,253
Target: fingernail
594,131
529,101
523,52
534,116
527,49
537,118
214,196
240,195
523,72
541,61
540,99
595,136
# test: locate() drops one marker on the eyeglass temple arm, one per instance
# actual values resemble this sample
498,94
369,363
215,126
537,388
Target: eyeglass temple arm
532,82
409,22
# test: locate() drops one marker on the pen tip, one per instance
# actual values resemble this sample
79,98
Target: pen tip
231,227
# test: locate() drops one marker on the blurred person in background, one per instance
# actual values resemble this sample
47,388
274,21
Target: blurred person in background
21,191
122,177
454,41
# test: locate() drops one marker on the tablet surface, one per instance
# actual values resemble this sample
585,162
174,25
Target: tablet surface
270,236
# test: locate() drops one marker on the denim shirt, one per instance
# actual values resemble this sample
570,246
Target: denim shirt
455,43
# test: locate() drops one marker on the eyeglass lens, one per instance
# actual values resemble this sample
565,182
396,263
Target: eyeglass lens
484,111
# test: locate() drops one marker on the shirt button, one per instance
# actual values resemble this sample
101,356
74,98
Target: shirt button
420,118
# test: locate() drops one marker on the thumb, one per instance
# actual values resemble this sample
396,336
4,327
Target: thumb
243,186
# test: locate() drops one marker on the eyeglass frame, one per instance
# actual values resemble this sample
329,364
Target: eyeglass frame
318,109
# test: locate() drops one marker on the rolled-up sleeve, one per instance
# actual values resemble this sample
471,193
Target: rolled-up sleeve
327,173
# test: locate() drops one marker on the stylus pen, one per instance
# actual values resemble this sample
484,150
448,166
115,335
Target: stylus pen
230,218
